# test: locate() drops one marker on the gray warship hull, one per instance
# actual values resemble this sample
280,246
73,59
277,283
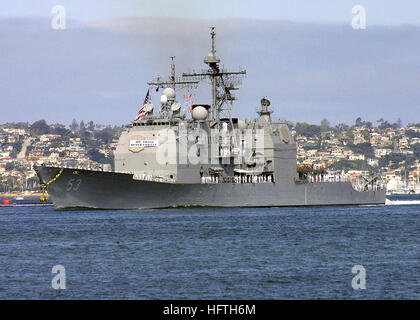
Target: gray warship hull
76,188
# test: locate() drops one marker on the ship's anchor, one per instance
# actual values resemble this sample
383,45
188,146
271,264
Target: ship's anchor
44,196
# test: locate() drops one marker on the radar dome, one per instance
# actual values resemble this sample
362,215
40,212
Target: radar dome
170,93
199,113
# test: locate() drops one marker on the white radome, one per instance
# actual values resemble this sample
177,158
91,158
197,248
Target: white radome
170,93
200,113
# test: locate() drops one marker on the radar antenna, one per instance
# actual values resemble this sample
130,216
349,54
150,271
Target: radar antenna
173,83
223,81
173,80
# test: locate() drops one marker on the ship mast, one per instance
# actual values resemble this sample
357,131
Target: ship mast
173,81
213,62
222,81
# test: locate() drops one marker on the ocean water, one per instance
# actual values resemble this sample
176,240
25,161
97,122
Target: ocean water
234,253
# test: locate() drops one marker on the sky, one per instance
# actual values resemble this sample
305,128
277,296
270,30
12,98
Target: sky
384,12
303,55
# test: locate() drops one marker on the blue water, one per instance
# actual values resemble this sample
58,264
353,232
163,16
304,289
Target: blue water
275,253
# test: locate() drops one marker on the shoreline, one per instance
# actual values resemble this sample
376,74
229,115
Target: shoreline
34,195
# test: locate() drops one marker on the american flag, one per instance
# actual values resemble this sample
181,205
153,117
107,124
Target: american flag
143,112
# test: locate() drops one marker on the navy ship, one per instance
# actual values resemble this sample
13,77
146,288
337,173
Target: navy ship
203,157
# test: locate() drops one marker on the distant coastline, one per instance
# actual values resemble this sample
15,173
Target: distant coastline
34,195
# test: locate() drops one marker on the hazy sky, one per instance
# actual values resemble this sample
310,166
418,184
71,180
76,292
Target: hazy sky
385,12
303,55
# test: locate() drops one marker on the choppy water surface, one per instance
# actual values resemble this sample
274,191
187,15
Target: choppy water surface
273,253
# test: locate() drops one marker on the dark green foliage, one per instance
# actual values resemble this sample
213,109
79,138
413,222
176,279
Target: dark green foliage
417,125
384,124
416,150
325,124
17,147
362,148
10,166
82,126
60,130
412,134
350,134
360,123
95,155
74,126
99,157
392,159
350,165
105,135
308,130
16,125
366,134
39,127
91,126
303,170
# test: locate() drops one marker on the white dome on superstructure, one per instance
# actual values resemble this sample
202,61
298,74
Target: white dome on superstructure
170,93
200,113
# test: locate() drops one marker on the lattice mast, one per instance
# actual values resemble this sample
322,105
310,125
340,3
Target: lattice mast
173,81
223,81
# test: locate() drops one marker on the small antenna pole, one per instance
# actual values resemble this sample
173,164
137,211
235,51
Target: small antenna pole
173,71
213,46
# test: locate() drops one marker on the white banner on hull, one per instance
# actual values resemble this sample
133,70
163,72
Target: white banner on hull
143,143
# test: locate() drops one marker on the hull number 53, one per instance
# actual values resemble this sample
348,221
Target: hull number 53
73,184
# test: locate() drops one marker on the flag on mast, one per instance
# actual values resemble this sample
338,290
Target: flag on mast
143,112
190,102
